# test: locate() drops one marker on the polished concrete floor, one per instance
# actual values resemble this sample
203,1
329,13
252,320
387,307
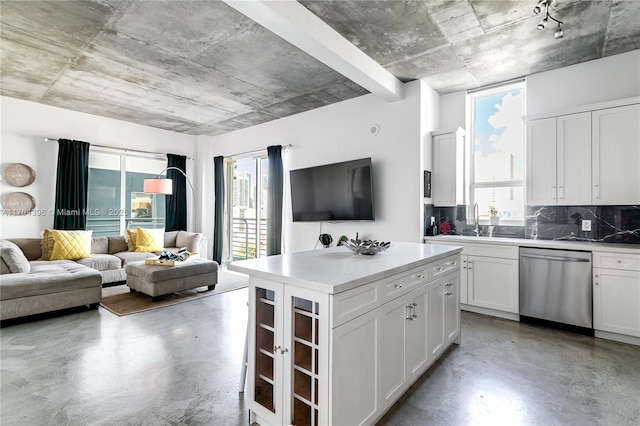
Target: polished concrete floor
180,366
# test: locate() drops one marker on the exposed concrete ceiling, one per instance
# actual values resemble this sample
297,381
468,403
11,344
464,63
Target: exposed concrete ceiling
205,68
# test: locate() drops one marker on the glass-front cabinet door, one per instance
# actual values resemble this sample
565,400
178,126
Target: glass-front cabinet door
265,348
288,366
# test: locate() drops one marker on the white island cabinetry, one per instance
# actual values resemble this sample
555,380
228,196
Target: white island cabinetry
337,338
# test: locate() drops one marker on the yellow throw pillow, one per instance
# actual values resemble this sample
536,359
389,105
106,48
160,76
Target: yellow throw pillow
131,239
71,245
149,240
47,244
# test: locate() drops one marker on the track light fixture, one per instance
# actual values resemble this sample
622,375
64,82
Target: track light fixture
538,8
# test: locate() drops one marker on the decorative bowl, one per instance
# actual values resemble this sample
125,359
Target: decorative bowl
367,246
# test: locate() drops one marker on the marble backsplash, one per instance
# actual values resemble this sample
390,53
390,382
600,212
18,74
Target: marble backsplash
609,224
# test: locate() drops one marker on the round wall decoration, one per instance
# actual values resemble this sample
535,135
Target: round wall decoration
18,203
18,174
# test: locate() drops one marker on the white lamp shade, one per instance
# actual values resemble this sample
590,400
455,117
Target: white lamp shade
158,186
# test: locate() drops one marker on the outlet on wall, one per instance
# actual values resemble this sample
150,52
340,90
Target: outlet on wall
586,225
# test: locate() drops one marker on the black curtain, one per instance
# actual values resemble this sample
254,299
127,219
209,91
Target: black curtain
274,200
176,203
71,185
218,220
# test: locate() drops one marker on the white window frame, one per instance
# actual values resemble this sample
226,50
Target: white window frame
470,170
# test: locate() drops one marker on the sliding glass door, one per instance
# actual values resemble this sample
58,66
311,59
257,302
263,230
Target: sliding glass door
247,197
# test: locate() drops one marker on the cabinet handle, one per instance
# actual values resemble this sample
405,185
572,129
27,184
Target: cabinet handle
282,351
440,269
596,191
455,263
596,283
410,315
276,349
553,192
421,277
397,285
597,275
561,192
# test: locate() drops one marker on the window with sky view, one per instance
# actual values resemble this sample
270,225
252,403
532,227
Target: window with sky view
497,153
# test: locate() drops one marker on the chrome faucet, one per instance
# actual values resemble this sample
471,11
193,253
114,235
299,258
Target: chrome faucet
476,220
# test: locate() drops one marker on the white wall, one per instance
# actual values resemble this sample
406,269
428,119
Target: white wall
600,80
24,125
606,79
341,132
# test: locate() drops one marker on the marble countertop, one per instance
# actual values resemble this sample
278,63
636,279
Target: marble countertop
556,244
337,269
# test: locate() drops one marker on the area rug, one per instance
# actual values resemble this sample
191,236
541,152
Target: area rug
120,301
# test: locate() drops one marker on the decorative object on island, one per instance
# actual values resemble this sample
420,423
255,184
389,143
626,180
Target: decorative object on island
19,175
343,239
325,240
494,219
367,246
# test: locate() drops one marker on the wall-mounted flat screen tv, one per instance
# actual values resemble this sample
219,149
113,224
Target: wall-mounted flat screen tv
333,192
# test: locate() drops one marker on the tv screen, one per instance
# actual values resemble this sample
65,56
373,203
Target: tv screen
333,192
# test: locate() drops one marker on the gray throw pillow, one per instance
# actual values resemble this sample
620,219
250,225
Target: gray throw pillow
13,257
190,240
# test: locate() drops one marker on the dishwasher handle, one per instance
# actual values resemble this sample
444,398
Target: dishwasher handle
561,258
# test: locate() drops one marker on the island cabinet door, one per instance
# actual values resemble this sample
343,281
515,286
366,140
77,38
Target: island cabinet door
444,313
288,349
354,371
403,348
265,362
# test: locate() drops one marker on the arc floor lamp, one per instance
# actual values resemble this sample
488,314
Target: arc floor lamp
160,185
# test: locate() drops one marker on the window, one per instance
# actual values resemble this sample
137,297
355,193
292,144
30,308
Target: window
497,153
115,197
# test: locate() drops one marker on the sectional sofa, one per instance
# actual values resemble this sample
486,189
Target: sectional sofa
30,286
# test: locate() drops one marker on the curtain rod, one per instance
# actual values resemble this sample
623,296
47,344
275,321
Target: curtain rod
257,151
124,150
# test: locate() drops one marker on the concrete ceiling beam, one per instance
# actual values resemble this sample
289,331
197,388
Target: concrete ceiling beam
298,26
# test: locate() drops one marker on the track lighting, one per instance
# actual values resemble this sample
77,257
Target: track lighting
542,24
536,10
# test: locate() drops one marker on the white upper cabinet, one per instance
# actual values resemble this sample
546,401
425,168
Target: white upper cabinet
448,168
589,157
559,160
574,159
541,162
616,155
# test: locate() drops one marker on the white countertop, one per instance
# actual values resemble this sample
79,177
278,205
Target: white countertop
556,244
337,269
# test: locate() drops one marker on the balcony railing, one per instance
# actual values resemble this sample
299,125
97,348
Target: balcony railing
244,238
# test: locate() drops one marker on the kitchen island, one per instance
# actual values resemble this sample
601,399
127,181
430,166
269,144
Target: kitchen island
336,338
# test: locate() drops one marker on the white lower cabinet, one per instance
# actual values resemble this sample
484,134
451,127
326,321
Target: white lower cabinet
344,359
489,277
403,346
444,317
616,294
493,283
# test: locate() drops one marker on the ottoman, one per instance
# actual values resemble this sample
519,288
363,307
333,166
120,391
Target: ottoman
158,280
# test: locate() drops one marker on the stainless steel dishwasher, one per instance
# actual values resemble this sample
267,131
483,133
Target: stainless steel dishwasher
555,288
